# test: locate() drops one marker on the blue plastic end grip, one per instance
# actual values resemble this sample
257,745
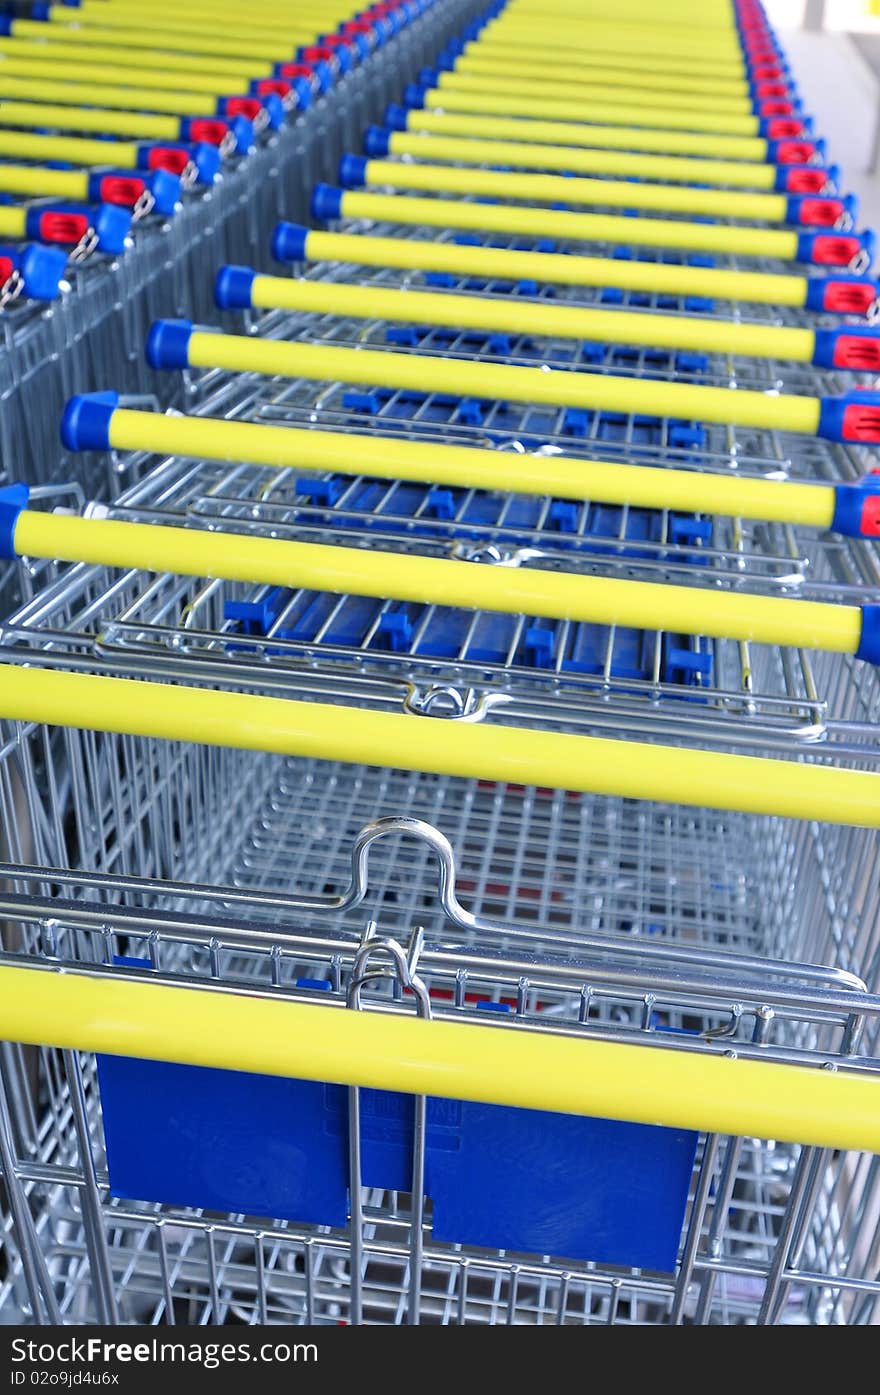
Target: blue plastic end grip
857,508
353,171
853,417
168,344
845,295
289,242
5,26
428,77
849,347
273,106
166,190
85,423
414,96
112,226
326,204
869,644
396,117
13,499
233,286
377,142
207,160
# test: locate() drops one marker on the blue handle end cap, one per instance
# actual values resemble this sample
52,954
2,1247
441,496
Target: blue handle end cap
869,644
377,142
13,499
113,227
326,205
85,424
207,160
396,117
42,270
168,344
232,288
289,241
353,171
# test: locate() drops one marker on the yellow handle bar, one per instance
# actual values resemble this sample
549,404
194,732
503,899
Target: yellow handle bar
536,49
438,581
508,315
74,150
559,87
546,759
776,243
590,68
497,1065
504,382
34,181
515,150
128,99
598,113
59,46
56,69
540,188
32,115
634,138
203,46
471,467
555,268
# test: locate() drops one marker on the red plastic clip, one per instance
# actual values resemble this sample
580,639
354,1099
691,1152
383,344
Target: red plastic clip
856,353
121,189
776,106
167,157
834,250
767,91
784,128
870,521
7,266
849,297
316,53
822,213
809,180
795,152
277,86
861,423
208,131
63,227
243,106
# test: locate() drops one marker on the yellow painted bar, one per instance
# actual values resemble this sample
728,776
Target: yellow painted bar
555,268
13,222
567,133
602,70
561,88
34,181
87,94
599,600
498,1065
267,22
609,42
574,227
20,145
652,329
58,48
640,36
504,382
35,115
768,207
540,51
478,751
548,188
598,113
207,46
472,467
56,71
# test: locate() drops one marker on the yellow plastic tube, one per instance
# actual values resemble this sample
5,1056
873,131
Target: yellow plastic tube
765,207
205,46
34,181
629,35
57,47
587,68
438,581
566,133
507,315
57,70
560,87
518,219
20,145
267,22
505,382
472,467
479,751
33,115
127,99
555,268
715,1092
538,50
13,222
448,98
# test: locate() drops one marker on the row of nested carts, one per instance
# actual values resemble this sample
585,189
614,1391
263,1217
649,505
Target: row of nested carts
438,702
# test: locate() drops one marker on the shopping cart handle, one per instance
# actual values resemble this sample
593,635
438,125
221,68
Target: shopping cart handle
838,249
124,189
353,171
842,295
205,159
41,268
56,225
853,417
377,142
168,344
795,152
